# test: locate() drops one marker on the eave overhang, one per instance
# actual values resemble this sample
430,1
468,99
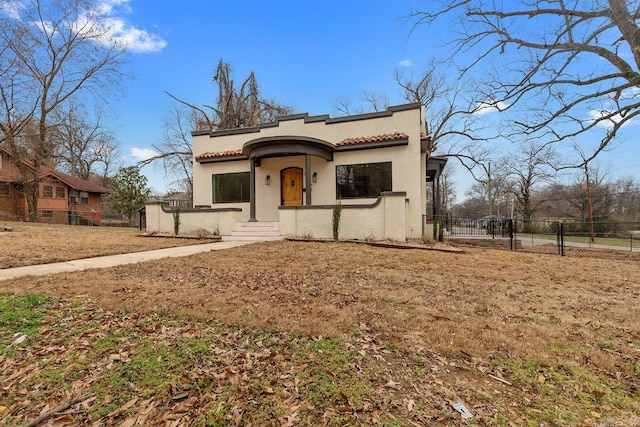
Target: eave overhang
276,146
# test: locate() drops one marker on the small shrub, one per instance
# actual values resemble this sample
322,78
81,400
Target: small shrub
176,220
337,211
202,233
428,240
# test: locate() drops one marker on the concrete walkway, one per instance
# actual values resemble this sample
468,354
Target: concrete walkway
113,260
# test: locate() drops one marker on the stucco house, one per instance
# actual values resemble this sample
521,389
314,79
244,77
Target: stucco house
62,198
284,178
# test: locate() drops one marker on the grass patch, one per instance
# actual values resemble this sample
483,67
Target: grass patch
559,388
21,315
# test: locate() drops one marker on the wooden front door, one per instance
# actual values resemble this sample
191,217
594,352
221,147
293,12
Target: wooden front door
291,186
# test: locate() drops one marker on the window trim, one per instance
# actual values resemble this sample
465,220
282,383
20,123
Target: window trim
244,198
44,191
368,194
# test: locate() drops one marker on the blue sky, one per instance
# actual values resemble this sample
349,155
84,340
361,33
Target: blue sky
305,55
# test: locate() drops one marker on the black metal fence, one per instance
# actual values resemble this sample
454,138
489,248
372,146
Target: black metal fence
555,237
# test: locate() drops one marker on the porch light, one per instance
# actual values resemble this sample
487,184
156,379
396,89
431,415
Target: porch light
314,177
267,180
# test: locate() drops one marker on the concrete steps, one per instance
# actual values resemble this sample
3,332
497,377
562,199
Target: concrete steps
254,231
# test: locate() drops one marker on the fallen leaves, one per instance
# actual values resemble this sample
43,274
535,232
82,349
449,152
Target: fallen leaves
396,342
176,372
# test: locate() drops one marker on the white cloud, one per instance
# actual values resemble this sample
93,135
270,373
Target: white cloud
630,93
405,63
11,8
143,153
106,7
490,107
104,23
610,121
136,40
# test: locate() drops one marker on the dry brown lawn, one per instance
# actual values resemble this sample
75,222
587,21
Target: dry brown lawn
517,336
30,244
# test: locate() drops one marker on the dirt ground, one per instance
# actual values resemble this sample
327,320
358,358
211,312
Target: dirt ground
490,314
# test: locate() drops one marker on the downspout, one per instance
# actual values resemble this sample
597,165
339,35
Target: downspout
252,191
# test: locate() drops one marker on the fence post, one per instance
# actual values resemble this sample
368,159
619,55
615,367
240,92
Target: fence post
510,234
560,238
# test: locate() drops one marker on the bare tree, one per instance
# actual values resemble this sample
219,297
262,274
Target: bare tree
236,107
82,147
571,200
496,189
175,151
626,198
571,67
56,51
530,166
16,111
452,124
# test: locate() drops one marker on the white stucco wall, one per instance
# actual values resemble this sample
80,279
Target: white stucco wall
385,219
408,165
160,220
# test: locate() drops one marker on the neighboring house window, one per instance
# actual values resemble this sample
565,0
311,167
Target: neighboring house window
363,180
47,191
84,198
4,188
231,187
73,197
59,192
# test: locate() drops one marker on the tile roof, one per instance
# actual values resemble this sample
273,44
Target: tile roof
373,138
219,154
393,136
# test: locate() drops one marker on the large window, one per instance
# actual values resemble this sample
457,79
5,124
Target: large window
47,191
60,192
76,197
231,187
363,180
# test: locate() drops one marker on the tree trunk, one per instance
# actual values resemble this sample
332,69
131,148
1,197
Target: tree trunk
31,197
